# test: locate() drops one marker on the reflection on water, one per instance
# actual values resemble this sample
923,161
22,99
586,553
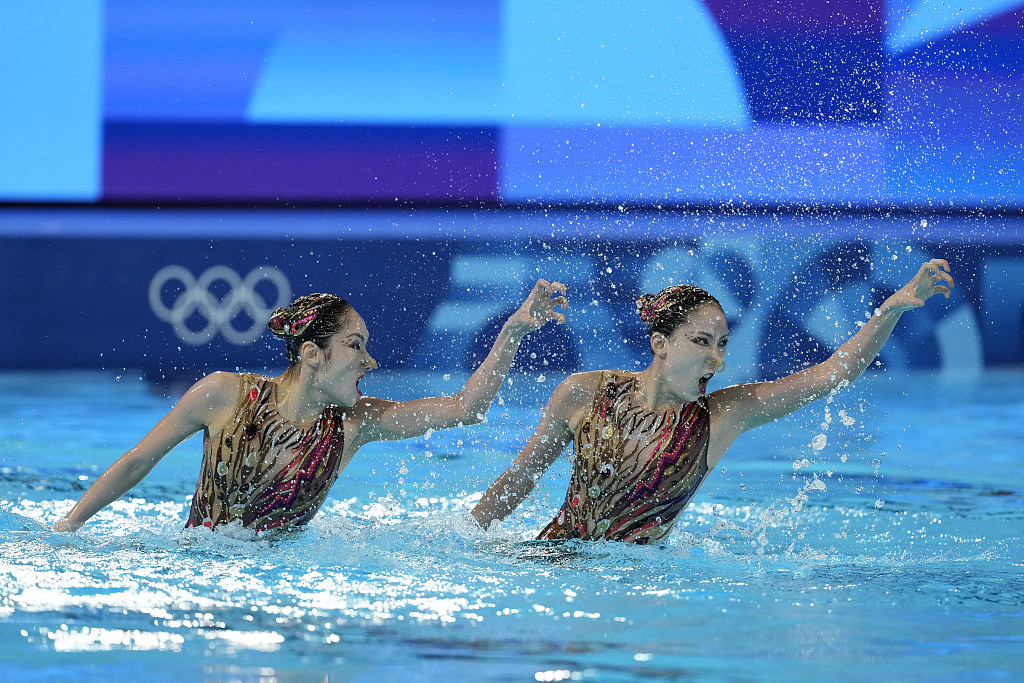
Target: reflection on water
779,570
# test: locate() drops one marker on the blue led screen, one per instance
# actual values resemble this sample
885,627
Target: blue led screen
844,102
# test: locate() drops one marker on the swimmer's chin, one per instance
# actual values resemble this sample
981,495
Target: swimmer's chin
353,399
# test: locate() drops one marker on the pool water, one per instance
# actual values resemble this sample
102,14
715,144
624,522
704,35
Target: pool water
877,535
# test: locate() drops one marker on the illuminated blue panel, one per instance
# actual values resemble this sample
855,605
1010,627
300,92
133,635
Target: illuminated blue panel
190,60
397,62
657,61
758,165
813,61
913,23
865,101
51,115
954,120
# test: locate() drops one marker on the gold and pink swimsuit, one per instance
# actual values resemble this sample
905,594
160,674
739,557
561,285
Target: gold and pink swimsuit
263,470
634,471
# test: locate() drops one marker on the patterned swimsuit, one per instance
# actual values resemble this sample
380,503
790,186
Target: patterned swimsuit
263,470
634,471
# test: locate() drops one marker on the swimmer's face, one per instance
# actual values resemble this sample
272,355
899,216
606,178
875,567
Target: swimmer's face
346,361
695,350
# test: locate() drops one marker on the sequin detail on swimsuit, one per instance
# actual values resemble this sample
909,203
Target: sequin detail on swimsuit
262,470
635,470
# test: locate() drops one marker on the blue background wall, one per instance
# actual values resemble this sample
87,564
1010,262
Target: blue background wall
182,292
833,143
844,102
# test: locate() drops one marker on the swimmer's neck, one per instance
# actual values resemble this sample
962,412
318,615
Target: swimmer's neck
297,400
651,390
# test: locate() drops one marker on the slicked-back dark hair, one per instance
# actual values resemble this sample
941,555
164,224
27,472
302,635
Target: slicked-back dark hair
670,308
314,317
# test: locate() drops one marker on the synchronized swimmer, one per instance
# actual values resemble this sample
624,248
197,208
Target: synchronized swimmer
272,447
644,442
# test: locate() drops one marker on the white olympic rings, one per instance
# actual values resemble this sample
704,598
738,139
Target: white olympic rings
197,301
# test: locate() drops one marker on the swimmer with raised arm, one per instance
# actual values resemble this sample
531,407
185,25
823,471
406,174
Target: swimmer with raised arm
272,447
643,442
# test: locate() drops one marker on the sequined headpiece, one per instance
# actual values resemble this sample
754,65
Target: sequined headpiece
295,320
651,306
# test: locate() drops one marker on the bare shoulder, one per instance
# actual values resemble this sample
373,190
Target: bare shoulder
573,398
732,407
733,411
218,387
580,386
367,408
731,397
212,396
752,404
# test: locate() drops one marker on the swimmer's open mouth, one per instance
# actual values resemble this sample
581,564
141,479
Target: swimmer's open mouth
704,382
358,380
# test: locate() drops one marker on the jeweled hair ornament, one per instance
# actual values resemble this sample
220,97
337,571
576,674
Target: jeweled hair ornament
296,319
650,306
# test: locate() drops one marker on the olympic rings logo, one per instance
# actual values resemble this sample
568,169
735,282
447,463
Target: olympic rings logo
197,303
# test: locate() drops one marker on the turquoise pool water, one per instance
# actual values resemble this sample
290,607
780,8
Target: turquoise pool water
876,536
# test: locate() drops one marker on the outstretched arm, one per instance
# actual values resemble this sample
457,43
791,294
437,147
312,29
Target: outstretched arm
553,434
388,420
208,397
736,409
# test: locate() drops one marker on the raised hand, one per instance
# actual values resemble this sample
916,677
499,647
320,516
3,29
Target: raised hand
932,278
540,305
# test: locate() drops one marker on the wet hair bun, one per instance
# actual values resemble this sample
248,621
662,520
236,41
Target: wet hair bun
296,319
671,306
314,317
